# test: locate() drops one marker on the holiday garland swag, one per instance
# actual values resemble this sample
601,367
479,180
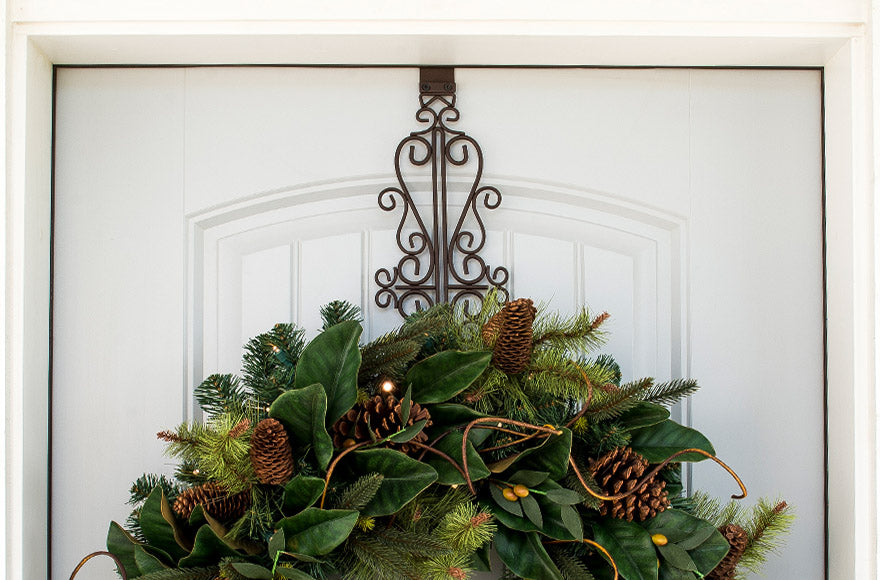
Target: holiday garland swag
413,456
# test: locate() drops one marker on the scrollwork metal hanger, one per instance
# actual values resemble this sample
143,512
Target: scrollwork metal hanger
441,258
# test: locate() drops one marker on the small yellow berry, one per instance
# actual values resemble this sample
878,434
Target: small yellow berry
509,494
659,540
520,490
348,443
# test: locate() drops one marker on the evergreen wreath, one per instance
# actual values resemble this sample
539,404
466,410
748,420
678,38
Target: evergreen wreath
412,456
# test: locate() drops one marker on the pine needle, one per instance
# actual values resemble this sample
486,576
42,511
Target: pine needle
339,311
769,523
269,362
221,394
578,334
670,392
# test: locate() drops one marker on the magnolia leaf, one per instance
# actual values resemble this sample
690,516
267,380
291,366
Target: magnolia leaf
630,546
680,528
660,441
668,572
643,414
572,521
403,478
301,492
147,562
406,406
451,446
207,550
708,554
316,532
122,545
452,415
159,526
512,507
551,456
440,377
532,510
252,571
303,412
524,554
332,360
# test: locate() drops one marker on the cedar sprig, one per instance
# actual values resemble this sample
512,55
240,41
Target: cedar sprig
339,311
358,494
269,362
221,394
569,563
579,333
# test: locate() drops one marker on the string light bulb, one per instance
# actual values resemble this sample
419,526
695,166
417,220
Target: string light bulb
388,386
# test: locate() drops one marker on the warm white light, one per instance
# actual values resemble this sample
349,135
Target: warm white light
275,349
387,386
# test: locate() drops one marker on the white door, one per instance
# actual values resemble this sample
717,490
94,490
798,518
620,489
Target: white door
196,207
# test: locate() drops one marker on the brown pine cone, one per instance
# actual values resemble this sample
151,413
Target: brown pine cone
215,500
510,334
384,414
619,471
738,539
270,453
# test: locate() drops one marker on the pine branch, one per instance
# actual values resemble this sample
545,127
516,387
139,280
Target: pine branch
358,494
387,357
373,558
221,394
209,573
569,564
339,311
671,392
258,521
553,372
142,487
611,403
450,566
580,333
270,360
770,521
466,528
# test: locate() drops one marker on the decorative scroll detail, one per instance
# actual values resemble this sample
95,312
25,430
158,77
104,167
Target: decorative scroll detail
441,259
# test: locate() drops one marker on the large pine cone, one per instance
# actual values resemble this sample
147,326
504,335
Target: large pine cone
738,539
215,500
510,334
619,471
270,453
384,415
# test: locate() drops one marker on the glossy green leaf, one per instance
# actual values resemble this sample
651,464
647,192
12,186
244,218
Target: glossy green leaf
207,550
572,521
564,496
452,415
643,414
532,510
408,433
554,525
301,492
529,478
303,412
708,554
404,478
252,571
551,456
451,446
524,554
630,546
316,532
122,545
159,526
406,406
481,559
511,507
332,360
677,557
680,528
658,442
277,543
668,572
147,562
440,377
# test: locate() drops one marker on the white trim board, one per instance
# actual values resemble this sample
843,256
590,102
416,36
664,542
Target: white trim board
839,47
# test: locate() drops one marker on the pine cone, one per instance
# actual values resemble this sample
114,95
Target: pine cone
270,453
384,415
619,471
738,539
214,499
511,332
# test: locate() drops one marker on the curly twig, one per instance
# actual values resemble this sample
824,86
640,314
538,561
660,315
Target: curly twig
82,562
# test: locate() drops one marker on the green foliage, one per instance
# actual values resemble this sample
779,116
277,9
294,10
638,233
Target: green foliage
357,495
218,452
578,333
142,487
767,525
220,394
466,528
339,311
670,392
269,362
200,573
259,519
569,563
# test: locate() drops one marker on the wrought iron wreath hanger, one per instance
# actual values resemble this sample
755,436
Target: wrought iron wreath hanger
441,258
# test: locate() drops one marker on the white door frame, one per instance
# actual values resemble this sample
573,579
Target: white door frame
840,47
